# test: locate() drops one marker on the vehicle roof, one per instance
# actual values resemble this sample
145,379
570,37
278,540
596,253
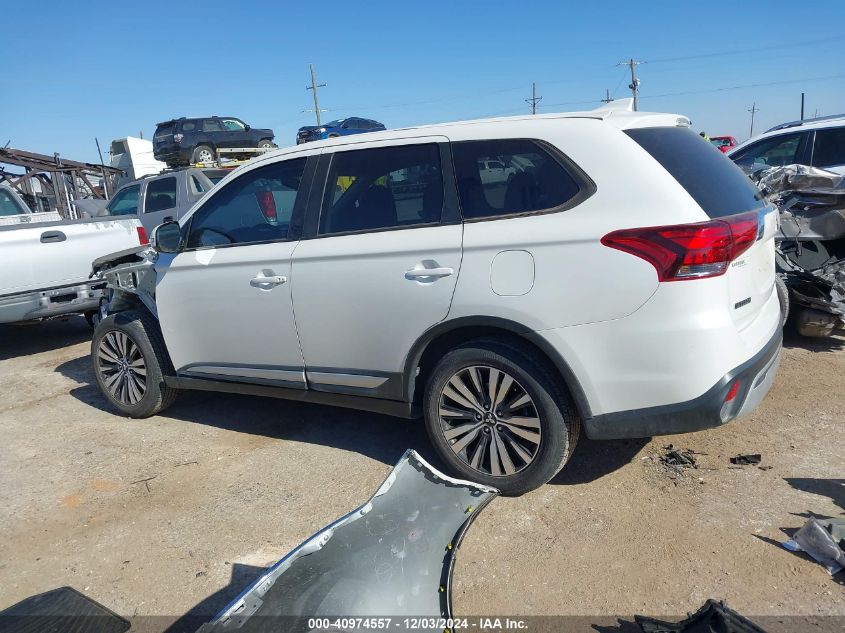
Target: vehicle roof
617,114
196,118
821,121
837,120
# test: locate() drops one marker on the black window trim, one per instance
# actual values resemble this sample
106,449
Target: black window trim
449,215
296,218
586,185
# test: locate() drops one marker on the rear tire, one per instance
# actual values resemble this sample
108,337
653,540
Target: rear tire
530,416
130,361
203,154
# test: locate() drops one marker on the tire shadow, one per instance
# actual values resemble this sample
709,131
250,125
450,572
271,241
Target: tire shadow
35,338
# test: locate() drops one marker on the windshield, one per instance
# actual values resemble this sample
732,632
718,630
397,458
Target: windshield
9,205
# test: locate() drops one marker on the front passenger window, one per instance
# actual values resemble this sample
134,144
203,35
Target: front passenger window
257,207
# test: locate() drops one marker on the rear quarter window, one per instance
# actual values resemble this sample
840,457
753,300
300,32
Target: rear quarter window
718,186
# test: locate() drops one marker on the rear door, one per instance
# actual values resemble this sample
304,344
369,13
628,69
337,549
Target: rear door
160,201
379,263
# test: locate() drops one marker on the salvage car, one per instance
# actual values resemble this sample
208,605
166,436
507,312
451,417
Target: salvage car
622,284
818,142
340,127
164,197
723,143
45,261
185,141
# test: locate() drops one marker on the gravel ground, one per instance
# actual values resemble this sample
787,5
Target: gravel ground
177,513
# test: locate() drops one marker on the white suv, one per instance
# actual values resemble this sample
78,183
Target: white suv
621,280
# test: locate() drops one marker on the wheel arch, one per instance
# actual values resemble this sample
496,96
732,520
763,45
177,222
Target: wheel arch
450,334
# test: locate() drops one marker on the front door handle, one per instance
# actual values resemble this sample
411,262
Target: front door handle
429,273
265,281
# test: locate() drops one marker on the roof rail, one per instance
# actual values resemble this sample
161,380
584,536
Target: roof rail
784,126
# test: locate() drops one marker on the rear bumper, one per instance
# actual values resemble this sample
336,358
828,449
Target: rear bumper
172,154
44,304
709,410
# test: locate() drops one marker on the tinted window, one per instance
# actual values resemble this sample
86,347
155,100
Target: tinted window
383,188
509,176
8,205
125,201
161,195
830,148
189,126
776,151
197,184
211,125
256,207
163,130
713,181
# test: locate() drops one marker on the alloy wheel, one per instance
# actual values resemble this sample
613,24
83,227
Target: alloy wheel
122,368
489,421
205,156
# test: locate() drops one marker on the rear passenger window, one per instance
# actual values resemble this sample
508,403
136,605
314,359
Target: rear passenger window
507,176
384,188
257,207
830,148
161,195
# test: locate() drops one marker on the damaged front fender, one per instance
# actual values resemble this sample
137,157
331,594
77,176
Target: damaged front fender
391,557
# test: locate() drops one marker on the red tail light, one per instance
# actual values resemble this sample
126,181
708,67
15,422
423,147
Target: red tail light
267,203
689,251
733,391
143,239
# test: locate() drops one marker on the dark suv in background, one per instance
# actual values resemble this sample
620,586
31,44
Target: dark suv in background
340,127
186,141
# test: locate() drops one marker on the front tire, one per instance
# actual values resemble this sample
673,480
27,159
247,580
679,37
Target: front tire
265,144
130,362
496,415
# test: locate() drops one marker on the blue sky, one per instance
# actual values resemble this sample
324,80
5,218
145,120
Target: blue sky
111,69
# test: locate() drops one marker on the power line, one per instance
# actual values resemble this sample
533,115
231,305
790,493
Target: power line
757,85
534,100
742,51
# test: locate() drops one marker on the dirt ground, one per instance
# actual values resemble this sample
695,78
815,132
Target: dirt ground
178,513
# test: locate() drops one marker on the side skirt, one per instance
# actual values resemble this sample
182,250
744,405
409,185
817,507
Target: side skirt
376,405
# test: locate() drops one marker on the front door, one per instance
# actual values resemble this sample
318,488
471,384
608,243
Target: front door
225,300
380,264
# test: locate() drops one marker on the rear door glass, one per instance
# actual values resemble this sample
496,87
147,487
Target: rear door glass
161,195
718,186
830,148
507,176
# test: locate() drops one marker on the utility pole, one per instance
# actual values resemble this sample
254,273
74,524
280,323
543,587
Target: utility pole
802,106
753,110
635,83
534,100
607,98
314,85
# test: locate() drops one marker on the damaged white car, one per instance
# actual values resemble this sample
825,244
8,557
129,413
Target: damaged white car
620,282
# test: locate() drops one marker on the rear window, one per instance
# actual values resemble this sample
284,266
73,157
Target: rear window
164,130
718,186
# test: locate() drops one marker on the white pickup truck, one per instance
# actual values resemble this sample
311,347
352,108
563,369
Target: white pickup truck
45,261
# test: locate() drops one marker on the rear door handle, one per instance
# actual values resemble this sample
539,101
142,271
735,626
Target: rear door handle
418,273
263,281
52,236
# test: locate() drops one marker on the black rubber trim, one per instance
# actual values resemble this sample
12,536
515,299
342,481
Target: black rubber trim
375,405
703,412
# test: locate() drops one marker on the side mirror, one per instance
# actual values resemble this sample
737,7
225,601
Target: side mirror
167,237
246,127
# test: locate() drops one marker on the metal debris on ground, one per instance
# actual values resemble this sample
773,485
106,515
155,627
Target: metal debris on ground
678,458
747,460
713,616
823,540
